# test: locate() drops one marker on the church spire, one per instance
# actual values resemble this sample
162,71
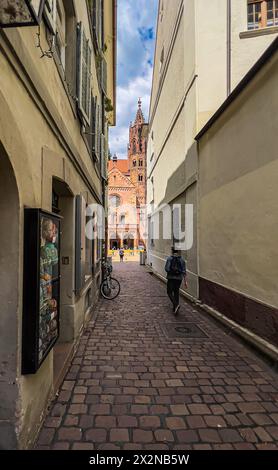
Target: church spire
139,115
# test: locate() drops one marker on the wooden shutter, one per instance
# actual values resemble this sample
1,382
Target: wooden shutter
71,52
50,12
80,243
100,25
103,157
84,75
104,75
93,124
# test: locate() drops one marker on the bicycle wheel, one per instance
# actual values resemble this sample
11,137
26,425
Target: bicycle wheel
110,289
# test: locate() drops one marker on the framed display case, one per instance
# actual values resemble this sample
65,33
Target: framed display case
41,287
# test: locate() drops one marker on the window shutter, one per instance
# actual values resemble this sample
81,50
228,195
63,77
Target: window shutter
97,22
50,12
80,243
95,127
71,55
88,94
100,45
100,131
84,75
103,157
93,124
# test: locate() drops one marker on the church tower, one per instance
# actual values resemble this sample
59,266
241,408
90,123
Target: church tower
137,150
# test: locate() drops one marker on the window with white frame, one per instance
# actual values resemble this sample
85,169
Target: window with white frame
262,13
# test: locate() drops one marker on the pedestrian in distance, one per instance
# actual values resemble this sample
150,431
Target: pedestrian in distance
176,272
121,253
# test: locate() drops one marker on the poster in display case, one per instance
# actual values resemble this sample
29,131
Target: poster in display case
41,287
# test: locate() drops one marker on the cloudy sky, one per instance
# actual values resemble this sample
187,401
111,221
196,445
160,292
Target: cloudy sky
136,42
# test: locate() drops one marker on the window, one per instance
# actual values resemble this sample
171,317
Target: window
140,178
122,219
134,162
134,146
140,162
262,13
84,75
272,13
114,201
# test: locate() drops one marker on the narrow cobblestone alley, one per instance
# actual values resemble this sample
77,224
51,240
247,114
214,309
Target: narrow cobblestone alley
135,383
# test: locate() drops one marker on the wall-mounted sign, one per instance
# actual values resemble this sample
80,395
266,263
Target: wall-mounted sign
41,287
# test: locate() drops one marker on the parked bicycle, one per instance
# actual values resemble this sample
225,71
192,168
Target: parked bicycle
110,287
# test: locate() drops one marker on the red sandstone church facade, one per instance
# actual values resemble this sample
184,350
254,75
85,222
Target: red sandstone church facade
127,189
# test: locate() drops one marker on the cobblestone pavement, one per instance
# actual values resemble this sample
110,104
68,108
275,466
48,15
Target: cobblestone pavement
132,386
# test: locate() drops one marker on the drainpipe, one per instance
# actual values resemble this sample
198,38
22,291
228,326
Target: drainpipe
229,34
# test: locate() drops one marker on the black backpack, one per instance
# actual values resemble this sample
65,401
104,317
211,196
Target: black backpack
176,266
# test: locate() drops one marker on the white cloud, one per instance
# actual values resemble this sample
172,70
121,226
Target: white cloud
135,53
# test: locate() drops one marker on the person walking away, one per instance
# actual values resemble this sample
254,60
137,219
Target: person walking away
121,253
176,271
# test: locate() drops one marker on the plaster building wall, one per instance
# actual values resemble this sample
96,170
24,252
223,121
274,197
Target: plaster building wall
237,206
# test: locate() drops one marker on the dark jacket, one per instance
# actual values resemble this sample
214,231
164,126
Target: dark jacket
172,275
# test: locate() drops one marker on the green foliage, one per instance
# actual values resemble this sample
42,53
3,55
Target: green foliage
108,105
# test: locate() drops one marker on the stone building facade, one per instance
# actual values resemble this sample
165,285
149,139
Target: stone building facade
57,99
127,189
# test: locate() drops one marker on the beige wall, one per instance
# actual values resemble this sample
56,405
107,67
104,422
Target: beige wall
238,203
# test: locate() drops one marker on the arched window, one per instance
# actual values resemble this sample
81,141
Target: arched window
140,162
140,178
114,200
134,146
134,162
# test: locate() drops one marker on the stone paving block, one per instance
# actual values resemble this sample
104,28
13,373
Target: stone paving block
61,446
69,434
119,435
142,436
96,435
151,422
130,387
